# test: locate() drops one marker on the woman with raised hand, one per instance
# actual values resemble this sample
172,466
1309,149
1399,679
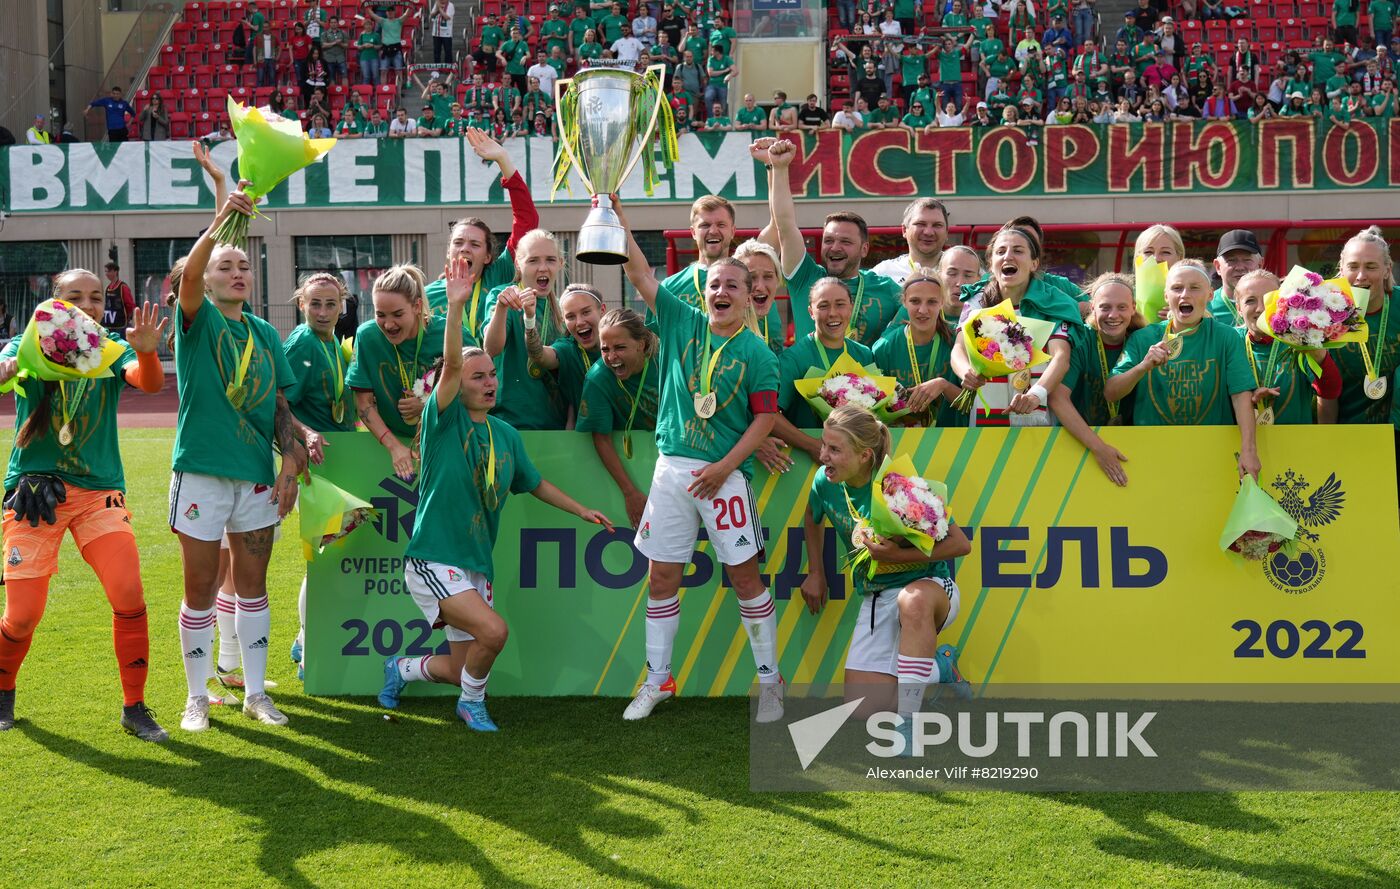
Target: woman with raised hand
471,239
530,396
1189,370
231,372
620,392
761,259
66,448
917,354
448,566
1284,390
1013,259
894,653
319,398
719,397
394,353
570,356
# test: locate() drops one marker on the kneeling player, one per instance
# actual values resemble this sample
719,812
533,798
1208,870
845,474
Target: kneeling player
911,598
448,566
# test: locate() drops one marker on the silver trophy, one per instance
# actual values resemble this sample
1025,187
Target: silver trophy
606,146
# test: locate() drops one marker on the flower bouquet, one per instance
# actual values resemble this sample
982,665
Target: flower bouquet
328,514
1150,287
1257,526
904,505
896,407
1307,313
62,343
423,386
269,150
1001,343
846,382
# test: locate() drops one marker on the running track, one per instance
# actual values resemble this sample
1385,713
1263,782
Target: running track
136,411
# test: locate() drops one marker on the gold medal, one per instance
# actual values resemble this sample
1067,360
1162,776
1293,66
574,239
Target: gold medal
413,420
1375,388
236,395
65,435
705,405
1115,421
858,535
1264,416
338,412
1174,347
1021,380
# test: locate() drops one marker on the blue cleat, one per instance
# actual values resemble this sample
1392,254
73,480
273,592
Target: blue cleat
474,714
948,673
301,671
906,730
296,651
393,684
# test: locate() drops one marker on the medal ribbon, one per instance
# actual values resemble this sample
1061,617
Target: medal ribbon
1103,371
69,406
488,494
583,353
821,351
243,362
471,319
403,373
333,361
695,279
855,305
636,400
913,361
709,361
1372,361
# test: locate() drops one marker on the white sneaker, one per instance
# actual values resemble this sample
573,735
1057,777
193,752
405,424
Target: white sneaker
648,696
770,702
196,715
260,707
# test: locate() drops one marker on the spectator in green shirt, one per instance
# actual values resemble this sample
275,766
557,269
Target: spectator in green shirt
751,117
1325,61
579,25
536,99
913,64
918,117
428,124
612,25
1382,13
883,115
719,69
554,30
590,48
513,55
349,125
719,119
490,39
722,35
1343,21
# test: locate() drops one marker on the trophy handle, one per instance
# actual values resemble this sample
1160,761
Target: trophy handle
651,125
564,136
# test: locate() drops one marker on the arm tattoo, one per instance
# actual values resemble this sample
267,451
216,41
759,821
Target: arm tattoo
289,434
534,345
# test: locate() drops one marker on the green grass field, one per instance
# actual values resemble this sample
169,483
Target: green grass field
566,795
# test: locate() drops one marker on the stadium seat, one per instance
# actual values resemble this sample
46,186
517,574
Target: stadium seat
243,94
158,78
216,99
183,33
364,91
195,12
203,77
1216,30
1224,54
262,95
282,11
1261,10
192,100
179,125
1311,8
229,76
1268,31
217,54
1292,31
237,9
1316,25
1241,28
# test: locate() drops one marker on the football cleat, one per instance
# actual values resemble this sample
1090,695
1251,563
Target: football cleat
296,651
648,696
260,707
948,673
196,715
770,701
393,684
474,714
140,720
7,709
219,696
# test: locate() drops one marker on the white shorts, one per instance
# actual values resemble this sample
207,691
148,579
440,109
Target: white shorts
431,582
672,518
205,506
875,640
276,536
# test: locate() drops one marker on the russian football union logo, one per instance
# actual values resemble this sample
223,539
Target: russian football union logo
1299,568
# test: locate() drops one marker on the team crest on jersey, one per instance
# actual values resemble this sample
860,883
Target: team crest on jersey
454,575
646,531
1300,566
15,558
193,512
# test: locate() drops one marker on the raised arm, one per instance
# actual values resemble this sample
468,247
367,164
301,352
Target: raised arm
524,215
791,247
192,281
460,278
216,175
638,270
540,355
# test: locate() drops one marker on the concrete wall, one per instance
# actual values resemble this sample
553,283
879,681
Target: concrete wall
795,67
29,86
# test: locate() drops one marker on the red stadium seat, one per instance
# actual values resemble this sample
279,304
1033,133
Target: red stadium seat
229,76
225,32
364,91
180,76
1310,8
179,125
1241,28
1224,54
1292,31
205,32
216,99
171,99
217,55
158,78
192,100
237,10
262,95
243,94
282,11
1261,10
338,90
195,12
1317,26
203,77
1191,31
183,33
216,11
1216,31
1268,31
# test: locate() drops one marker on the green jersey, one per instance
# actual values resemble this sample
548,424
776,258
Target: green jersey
500,271
1222,308
715,123
574,364
833,501
389,371
319,367
688,285
1194,388
742,365
609,404
93,459
1294,404
588,51
794,364
555,33
516,52
348,126
1353,406
1345,12
442,107
875,298
579,27
368,44
1088,372
911,65
529,397
459,504
212,437
772,329
916,121
1324,65
950,65
723,38
612,27
751,116
391,31
893,354
492,36
1382,15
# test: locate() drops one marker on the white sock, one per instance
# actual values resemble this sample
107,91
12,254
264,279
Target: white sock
254,625
227,610
301,615
663,620
760,620
414,669
474,689
915,675
196,641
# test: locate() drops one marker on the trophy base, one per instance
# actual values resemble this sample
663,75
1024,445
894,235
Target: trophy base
601,239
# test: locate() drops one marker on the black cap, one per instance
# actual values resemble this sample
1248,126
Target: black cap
1239,239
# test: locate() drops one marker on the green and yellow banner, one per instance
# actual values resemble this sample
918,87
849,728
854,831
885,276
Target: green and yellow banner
1195,157
1070,579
